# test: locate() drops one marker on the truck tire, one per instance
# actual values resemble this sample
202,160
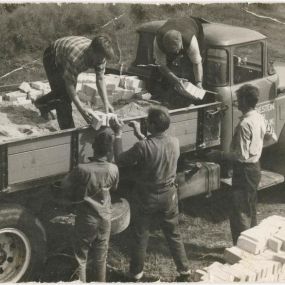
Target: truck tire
22,244
120,216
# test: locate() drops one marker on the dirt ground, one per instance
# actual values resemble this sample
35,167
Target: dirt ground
203,223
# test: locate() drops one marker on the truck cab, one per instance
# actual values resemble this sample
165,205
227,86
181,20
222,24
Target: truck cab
233,56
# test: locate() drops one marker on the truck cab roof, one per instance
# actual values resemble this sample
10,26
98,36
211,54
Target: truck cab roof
215,34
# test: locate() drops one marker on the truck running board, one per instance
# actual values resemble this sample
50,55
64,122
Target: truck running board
268,179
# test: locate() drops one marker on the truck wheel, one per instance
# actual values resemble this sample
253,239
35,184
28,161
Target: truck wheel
120,216
22,244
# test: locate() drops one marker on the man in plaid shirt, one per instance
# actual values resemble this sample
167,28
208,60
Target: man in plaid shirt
63,61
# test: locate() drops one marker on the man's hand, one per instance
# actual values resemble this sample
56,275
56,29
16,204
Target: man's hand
214,155
137,129
116,125
199,85
179,87
87,116
109,108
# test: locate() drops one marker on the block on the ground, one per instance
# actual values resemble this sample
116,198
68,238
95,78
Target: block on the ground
234,254
244,272
256,266
279,257
25,87
274,244
13,96
249,245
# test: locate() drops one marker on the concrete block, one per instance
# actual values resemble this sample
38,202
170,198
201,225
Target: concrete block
228,269
249,245
90,89
245,273
234,254
23,101
122,94
194,91
79,86
13,96
25,87
39,85
112,79
86,77
110,87
280,235
34,94
274,244
131,82
279,257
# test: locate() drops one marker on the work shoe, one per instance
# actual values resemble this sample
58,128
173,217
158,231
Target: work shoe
141,278
185,276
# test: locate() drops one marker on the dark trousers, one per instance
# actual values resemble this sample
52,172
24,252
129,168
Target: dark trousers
246,177
163,208
92,240
58,98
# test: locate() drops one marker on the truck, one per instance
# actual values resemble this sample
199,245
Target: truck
31,167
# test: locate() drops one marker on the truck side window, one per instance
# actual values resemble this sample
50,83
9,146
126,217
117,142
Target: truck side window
216,67
247,62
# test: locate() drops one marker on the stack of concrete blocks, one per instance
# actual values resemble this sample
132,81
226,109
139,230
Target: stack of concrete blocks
258,257
118,88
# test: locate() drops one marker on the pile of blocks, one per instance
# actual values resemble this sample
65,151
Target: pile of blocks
27,92
118,88
258,257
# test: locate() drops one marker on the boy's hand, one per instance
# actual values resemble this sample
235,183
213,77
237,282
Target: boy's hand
137,129
116,125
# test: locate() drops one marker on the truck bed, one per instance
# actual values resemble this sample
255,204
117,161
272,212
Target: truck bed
39,160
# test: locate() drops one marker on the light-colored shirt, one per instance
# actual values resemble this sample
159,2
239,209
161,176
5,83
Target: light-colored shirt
249,135
69,54
193,53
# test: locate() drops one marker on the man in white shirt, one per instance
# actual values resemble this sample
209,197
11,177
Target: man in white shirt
179,38
245,151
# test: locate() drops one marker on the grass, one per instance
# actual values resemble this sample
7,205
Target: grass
204,226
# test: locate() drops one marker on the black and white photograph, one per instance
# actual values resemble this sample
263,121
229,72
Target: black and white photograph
142,142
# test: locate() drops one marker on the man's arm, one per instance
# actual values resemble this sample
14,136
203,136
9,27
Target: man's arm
101,86
129,157
196,59
73,96
160,59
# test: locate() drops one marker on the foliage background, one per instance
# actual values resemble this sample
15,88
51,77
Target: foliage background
26,29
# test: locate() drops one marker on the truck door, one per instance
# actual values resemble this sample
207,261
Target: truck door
248,67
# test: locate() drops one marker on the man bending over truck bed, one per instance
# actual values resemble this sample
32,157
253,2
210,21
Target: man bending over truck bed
245,151
177,39
63,60
155,159
88,186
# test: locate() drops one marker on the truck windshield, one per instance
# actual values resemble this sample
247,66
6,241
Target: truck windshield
216,67
248,63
